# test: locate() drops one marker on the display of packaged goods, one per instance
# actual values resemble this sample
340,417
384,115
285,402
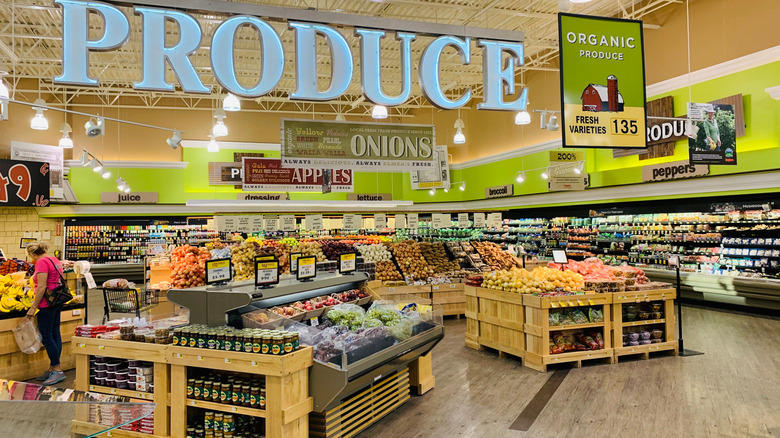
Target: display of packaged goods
250,340
211,424
562,342
134,375
234,389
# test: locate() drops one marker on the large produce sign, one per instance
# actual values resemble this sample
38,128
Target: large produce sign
360,146
267,174
602,82
24,183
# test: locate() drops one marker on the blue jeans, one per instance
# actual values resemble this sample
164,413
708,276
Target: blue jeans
49,326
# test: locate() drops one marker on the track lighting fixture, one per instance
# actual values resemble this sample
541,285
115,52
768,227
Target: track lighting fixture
122,185
463,186
231,103
520,176
95,126
175,140
545,174
39,122
432,192
65,142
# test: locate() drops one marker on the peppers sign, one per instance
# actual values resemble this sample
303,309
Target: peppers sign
602,82
500,59
359,146
24,183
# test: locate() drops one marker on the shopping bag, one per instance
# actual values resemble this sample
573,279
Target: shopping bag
27,336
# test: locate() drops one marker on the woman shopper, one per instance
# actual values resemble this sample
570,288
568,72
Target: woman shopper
47,276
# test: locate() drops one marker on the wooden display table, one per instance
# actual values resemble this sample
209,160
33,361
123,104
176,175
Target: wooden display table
83,348
538,329
15,365
494,319
451,296
380,292
664,297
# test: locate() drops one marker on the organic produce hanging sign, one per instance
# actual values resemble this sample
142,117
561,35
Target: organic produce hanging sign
372,147
268,174
24,183
602,82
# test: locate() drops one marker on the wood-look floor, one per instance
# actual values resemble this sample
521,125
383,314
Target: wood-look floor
733,390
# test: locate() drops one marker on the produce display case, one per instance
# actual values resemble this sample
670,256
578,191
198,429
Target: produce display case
541,334
330,382
495,319
648,314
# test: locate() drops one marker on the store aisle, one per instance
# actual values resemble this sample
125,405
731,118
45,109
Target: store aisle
732,390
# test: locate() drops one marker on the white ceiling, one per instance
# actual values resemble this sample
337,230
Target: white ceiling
30,47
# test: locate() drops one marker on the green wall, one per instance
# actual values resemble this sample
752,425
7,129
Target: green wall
759,150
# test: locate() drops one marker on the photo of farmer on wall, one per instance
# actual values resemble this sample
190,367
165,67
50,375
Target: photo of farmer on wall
714,140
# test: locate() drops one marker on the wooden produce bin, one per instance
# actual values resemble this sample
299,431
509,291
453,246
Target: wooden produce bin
380,292
495,319
451,296
16,365
286,381
538,329
664,297
83,348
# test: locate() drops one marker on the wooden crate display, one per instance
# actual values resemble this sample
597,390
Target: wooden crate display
538,330
451,297
20,366
286,381
380,292
664,298
495,319
83,348
363,409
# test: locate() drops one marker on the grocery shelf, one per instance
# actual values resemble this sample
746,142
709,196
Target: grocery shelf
89,429
576,326
123,392
221,407
645,322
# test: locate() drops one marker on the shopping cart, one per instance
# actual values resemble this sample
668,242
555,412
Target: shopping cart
128,301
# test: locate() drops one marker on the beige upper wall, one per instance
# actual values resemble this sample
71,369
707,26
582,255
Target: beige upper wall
720,30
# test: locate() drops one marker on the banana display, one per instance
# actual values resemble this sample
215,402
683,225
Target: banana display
16,293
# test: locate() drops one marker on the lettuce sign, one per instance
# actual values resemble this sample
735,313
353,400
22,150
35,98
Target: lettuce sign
377,147
602,82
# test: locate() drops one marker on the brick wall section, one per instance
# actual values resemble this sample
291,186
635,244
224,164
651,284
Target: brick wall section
14,221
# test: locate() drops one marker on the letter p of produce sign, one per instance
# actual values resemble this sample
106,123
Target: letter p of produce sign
602,82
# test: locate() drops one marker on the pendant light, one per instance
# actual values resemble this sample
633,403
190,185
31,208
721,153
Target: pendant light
39,122
379,112
213,146
231,103
459,138
4,92
522,118
65,141
220,129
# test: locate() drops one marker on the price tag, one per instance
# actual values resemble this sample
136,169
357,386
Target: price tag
352,222
178,355
219,271
553,304
288,222
380,221
294,261
463,220
441,220
400,221
227,360
200,357
271,223
101,347
479,220
254,364
314,222
452,286
255,224
307,268
435,287
347,263
76,312
314,321
591,302
82,345
90,280
233,409
412,220
494,220
266,272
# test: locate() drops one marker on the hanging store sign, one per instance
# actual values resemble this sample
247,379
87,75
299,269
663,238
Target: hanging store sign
714,139
224,174
566,183
479,220
24,183
501,58
500,191
412,220
673,170
596,55
129,198
268,174
436,178
352,222
43,154
400,221
494,220
288,222
359,146
369,197
380,221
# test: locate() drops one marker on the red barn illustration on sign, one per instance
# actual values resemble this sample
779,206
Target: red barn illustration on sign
598,98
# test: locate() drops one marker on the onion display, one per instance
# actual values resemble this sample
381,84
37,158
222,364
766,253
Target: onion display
188,266
374,253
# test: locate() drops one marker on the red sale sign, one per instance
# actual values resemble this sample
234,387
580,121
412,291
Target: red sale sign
24,183
267,174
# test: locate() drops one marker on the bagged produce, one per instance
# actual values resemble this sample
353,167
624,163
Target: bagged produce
117,283
27,336
596,315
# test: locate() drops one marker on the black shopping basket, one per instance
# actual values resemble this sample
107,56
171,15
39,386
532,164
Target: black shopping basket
128,301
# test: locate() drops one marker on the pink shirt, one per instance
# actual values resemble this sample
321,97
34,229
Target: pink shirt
44,265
